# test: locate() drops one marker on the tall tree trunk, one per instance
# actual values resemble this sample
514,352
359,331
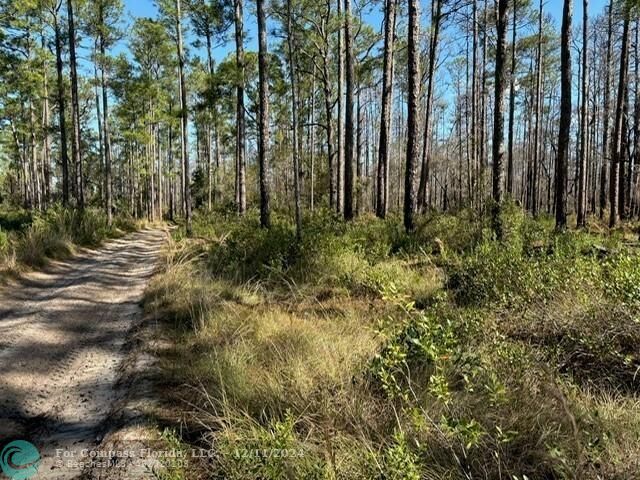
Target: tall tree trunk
349,150
105,123
538,119
210,120
413,90
294,118
263,119
99,122
358,155
512,99
75,110
241,194
184,115
614,214
46,140
636,123
172,203
436,19
498,119
606,150
482,157
474,102
340,158
565,118
328,104
582,166
160,172
35,175
386,107
64,155
312,140
328,109
624,150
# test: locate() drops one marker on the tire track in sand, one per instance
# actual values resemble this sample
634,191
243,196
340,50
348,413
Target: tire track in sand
61,344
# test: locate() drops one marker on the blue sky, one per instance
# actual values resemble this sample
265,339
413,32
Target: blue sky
147,8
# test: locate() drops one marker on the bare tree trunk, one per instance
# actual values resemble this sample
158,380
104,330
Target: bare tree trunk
150,155
241,194
210,181
636,122
565,118
386,107
358,155
294,118
538,119
312,140
614,214
606,150
99,123
64,156
75,110
340,157
512,98
263,119
158,143
105,124
624,151
349,123
328,104
35,176
474,103
45,165
184,115
23,165
482,158
498,119
216,177
423,194
172,203
413,90
582,166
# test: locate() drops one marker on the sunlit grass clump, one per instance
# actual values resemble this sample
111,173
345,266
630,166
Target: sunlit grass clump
30,239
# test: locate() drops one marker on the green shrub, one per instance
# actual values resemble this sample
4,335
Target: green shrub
248,251
505,274
400,462
14,219
622,277
249,450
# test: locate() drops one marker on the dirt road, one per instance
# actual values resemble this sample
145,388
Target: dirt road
61,346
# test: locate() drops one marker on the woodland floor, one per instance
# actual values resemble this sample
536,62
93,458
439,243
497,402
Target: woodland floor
64,334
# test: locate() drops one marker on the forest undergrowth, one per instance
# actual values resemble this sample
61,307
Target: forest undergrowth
364,352
28,239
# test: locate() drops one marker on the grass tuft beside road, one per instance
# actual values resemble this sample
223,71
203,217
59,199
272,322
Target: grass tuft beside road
29,239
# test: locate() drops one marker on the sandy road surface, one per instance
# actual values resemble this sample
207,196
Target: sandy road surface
61,344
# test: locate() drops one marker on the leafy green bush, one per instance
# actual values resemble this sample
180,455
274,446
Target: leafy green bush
505,274
400,462
14,219
622,277
272,452
248,251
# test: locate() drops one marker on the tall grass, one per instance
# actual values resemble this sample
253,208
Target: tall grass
36,237
363,352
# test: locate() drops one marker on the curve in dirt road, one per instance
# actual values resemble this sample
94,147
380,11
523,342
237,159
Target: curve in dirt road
62,333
